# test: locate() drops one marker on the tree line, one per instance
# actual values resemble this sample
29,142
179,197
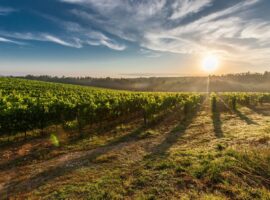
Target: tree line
241,82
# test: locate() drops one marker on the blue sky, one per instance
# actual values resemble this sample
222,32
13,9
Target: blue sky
121,37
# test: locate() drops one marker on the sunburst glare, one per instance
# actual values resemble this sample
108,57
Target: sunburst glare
210,63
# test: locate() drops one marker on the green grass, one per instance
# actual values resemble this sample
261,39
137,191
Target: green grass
172,159
230,173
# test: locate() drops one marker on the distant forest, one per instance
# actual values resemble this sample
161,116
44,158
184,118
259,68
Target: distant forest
242,82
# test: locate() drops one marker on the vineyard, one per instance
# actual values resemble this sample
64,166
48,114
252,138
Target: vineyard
163,145
28,105
231,100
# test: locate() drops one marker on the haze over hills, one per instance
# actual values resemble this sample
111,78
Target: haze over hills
243,82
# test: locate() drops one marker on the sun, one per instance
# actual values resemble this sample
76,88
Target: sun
210,63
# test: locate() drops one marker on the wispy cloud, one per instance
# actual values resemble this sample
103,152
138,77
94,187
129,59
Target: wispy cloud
176,26
155,26
92,37
5,40
6,10
86,38
97,38
186,7
44,37
84,35
76,43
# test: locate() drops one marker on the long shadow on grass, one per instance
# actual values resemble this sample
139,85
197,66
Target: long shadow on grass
37,154
174,135
66,167
257,110
217,123
103,128
20,142
244,117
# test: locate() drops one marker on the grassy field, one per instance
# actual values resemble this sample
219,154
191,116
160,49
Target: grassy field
221,155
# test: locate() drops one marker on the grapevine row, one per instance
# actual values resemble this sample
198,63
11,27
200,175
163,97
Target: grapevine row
233,99
28,105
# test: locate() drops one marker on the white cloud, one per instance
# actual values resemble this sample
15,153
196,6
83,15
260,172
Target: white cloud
5,40
75,42
147,18
257,30
56,40
88,38
112,45
185,7
6,10
95,38
84,35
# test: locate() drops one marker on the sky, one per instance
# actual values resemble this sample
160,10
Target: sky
122,38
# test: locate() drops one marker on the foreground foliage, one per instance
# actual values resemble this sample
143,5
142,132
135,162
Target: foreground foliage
28,105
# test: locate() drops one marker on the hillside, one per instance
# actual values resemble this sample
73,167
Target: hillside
245,82
216,149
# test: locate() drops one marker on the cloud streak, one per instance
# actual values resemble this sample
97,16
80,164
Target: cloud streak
6,10
186,7
84,35
56,40
5,40
91,38
43,37
156,25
